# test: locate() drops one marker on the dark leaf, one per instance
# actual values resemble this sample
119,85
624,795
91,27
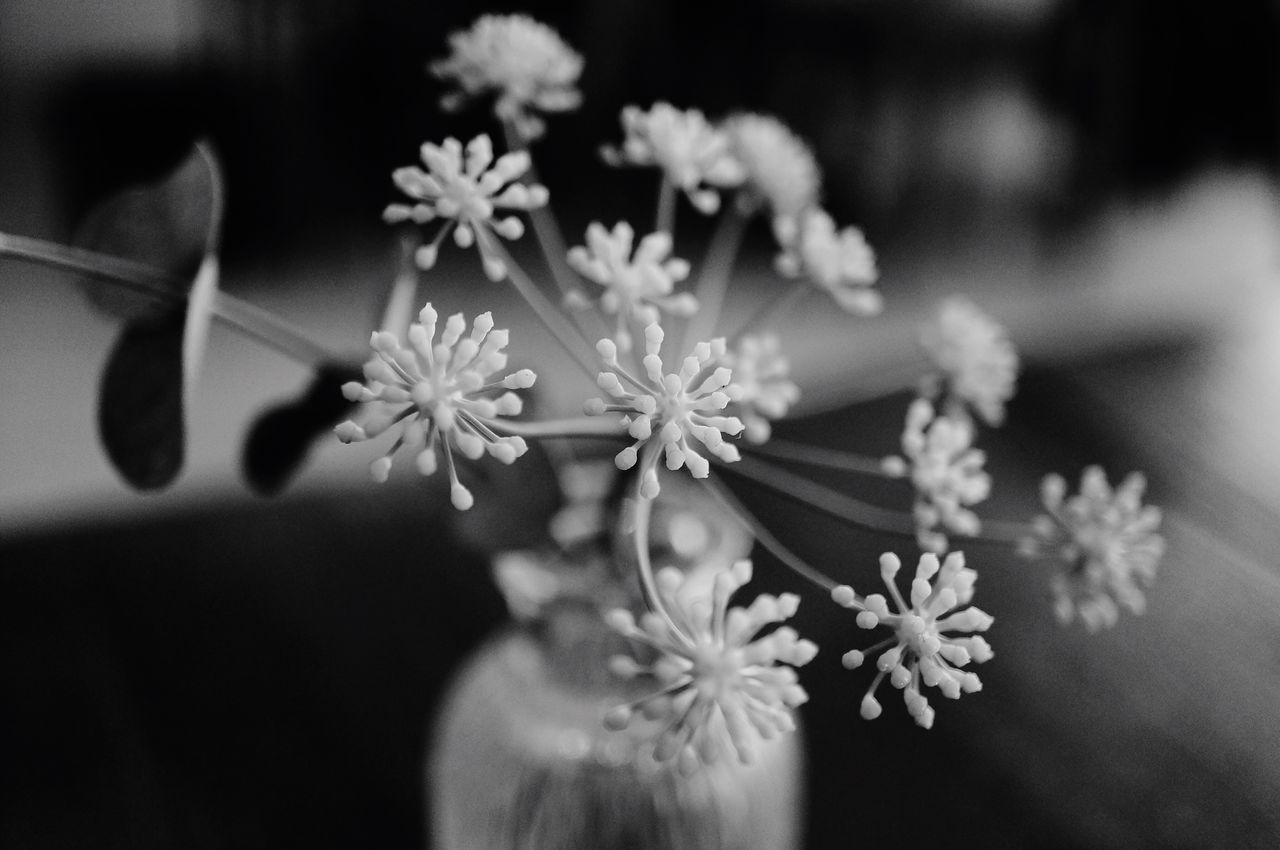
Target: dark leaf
281,438
140,417
170,225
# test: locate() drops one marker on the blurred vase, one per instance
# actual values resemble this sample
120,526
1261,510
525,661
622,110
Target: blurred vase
521,759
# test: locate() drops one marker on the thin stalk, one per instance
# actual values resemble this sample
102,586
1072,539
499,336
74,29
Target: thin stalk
564,332
665,220
757,529
771,309
644,566
398,312
588,426
713,280
253,322
817,456
545,227
822,498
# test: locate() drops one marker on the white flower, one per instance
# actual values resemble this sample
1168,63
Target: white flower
922,650
780,168
978,363
761,389
662,411
839,262
716,679
1107,542
441,394
946,472
524,62
636,287
467,194
690,151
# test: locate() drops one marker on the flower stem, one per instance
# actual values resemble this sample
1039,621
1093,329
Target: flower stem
404,290
584,427
253,322
771,309
824,499
545,227
666,216
818,456
644,566
757,529
713,280
564,332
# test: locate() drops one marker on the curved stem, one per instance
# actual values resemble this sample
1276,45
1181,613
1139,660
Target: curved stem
644,566
564,332
757,529
713,280
665,220
817,456
151,282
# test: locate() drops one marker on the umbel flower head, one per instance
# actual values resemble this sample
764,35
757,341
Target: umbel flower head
779,167
762,389
1107,542
839,262
441,394
978,364
719,684
946,472
693,155
923,650
466,194
663,411
636,287
524,63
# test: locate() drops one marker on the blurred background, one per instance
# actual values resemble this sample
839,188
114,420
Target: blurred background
205,668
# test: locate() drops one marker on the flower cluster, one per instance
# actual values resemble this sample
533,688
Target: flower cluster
779,168
1107,542
636,288
922,650
762,389
693,154
838,262
663,411
946,472
441,394
521,61
720,685
978,364
467,194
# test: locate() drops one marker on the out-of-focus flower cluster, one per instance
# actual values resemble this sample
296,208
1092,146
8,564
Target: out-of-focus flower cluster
1105,540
